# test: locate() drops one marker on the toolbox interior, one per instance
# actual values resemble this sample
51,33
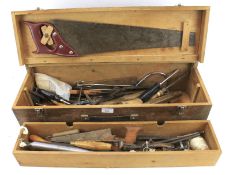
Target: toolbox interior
192,86
169,128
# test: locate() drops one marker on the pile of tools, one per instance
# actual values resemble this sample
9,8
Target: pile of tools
107,94
104,140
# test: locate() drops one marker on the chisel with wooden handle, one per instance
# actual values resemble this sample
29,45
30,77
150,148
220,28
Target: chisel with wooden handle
72,131
165,98
36,138
92,145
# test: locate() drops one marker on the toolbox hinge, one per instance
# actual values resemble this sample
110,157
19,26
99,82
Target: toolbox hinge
195,65
181,110
39,8
84,117
30,70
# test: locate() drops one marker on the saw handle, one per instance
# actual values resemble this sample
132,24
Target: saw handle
59,47
131,134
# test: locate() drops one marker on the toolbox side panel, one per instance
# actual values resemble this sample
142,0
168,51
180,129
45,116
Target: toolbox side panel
121,159
160,113
117,160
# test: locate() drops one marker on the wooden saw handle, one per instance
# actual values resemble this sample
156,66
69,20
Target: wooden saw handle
134,101
59,47
131,134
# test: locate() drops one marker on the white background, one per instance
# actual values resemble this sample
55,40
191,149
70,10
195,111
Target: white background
214,72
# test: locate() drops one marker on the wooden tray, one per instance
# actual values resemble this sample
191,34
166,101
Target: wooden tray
121,159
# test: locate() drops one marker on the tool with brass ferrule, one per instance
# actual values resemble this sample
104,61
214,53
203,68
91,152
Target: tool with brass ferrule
146,95
120,91
165,98
166,88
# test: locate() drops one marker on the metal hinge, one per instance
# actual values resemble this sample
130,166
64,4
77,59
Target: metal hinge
84,117
30,70
195,64
39,112
134,116
38,8
181,110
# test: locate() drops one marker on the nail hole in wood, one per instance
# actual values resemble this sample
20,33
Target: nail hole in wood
160,122
69,124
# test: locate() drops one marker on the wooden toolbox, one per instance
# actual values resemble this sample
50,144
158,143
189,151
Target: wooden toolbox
187,115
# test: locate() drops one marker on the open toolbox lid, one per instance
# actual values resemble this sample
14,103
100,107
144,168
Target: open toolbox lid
187,19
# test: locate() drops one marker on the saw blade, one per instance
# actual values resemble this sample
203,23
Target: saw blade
88,38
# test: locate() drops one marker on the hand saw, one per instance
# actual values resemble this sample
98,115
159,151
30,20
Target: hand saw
75,38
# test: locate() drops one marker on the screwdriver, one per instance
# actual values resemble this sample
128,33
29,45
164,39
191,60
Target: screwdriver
146,95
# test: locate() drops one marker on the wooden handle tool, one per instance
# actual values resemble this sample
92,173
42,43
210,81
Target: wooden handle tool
134,101
88,92
131,134
122,99
73,131
162,99
36,138
165,98
93,145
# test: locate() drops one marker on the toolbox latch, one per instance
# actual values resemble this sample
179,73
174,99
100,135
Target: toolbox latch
39,112
39,8
181,110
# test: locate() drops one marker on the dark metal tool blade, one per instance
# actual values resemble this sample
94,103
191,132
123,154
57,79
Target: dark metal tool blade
102,134
87,38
